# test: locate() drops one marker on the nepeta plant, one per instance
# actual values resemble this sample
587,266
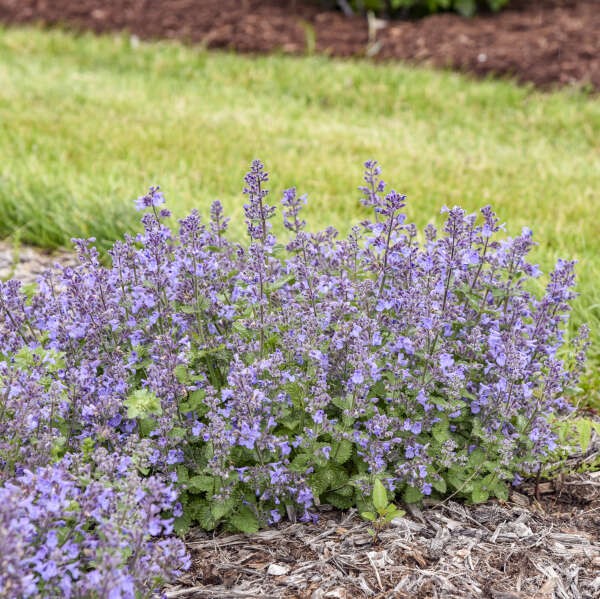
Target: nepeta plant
266,378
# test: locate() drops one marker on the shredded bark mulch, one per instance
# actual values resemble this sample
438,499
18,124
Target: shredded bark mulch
544,543
545,42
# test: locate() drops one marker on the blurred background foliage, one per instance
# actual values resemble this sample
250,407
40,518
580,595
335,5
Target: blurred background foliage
415,8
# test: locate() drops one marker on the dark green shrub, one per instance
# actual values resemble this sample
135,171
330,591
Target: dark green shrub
393,8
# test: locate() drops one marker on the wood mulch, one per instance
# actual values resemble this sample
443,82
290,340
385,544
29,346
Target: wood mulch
544,543
545,42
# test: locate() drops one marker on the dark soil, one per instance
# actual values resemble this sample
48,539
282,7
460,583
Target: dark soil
546,42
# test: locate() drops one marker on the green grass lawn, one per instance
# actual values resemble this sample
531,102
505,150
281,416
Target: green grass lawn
87,123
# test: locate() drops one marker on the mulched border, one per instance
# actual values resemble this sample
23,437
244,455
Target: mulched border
544,42
27,263
544,543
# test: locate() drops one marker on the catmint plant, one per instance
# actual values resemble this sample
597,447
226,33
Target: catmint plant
266,378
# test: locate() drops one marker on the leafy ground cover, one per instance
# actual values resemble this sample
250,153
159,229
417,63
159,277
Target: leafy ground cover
405,8
86,120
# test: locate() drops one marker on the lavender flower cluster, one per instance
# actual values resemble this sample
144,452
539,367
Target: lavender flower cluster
266,378
89,530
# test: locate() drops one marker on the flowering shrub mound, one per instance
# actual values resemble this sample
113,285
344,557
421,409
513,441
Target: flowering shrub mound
260,380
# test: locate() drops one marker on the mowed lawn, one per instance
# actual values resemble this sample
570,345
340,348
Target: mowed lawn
87,123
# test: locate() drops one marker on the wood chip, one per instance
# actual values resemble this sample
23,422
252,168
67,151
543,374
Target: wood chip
277,570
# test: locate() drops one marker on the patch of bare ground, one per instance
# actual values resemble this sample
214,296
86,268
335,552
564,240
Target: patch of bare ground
547,43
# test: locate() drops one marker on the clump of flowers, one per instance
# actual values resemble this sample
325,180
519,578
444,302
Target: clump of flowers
266,378
87,529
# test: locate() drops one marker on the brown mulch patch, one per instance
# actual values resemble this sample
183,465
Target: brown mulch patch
544,543
27,263
546,42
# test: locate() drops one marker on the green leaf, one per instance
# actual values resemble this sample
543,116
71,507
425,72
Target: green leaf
346,490
24,357
290,423
584,428
343,451
440,431
147,425
369,516
245,520
476,458
59,447
455,479
182,474
338,477
339,500
300,462
440,485
378,389
220,509
394,514
280,283
319,482
200,484
194,402
87,446
479,494
204,516
340,402
500,490
182,524
380,499
412,495
177,432
29,289
142,403
563,430
490,466
296,393
181,373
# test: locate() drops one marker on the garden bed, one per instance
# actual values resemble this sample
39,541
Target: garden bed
540,544
545,43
